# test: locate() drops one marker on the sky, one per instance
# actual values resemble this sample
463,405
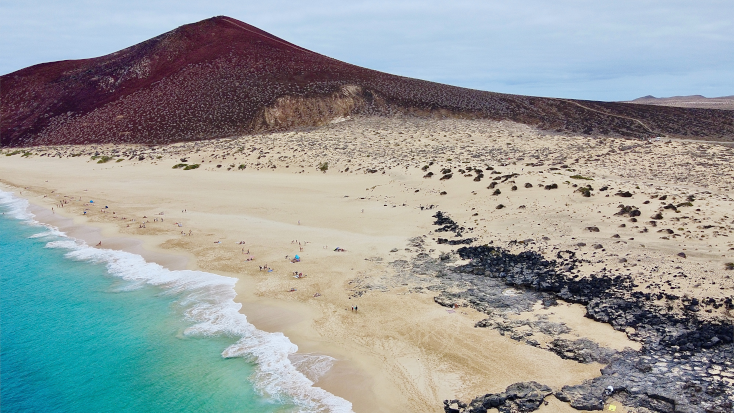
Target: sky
583,49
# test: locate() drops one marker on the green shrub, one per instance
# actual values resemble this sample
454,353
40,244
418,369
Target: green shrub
241,167
13,153
585,190
119,160
180,165
194,166
104,159
581,177
323,166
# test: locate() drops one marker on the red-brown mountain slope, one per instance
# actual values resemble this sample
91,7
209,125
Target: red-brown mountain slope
222,77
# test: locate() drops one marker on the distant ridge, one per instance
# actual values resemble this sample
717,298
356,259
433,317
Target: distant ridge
692,101
222,77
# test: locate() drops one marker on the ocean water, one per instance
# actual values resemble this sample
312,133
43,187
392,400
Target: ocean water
85,329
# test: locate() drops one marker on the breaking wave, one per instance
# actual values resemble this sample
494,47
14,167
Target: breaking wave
207,301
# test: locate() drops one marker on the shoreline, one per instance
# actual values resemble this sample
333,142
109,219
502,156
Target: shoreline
272,316
92,234
380,205
374,381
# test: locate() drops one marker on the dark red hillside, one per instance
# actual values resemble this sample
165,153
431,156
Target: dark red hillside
222,77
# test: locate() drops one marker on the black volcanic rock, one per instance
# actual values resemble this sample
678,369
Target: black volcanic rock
684,364
519,397
222,77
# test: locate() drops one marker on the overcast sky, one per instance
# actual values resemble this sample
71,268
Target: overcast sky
586,49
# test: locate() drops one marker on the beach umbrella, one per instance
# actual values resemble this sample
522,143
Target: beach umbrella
297,257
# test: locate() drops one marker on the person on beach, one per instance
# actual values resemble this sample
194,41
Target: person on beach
99,244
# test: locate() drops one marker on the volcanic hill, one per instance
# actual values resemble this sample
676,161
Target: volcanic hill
222,77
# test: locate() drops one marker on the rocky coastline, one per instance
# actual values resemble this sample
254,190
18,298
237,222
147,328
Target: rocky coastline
686,361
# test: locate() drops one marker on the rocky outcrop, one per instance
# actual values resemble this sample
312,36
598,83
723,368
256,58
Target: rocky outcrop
290,112
684,365
519,397
653,382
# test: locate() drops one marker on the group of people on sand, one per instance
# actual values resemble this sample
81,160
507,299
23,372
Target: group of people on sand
297,274
295,241
266,268
354,308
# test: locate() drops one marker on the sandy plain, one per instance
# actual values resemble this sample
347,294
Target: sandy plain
400,351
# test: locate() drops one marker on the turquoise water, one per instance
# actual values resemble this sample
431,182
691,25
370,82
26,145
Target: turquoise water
83,330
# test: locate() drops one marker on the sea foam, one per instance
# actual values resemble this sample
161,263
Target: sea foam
207,301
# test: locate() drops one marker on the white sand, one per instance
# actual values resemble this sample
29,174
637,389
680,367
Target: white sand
401,351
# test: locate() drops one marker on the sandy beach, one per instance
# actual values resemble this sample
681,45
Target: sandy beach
356,199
